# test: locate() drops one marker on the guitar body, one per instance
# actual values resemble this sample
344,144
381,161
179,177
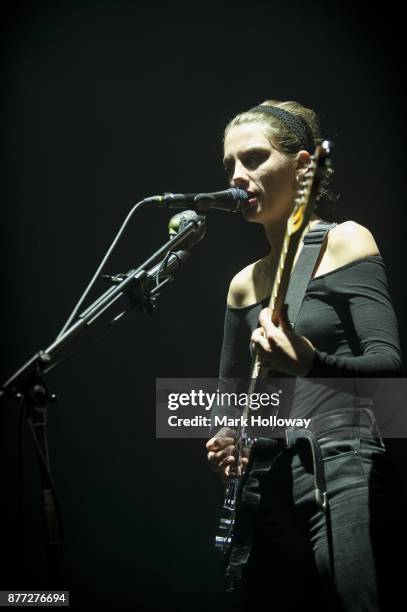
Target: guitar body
263,454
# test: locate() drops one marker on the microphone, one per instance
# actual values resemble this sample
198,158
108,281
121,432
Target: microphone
229,200
179,222
174,260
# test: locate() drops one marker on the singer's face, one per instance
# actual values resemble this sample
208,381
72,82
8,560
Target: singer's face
254,163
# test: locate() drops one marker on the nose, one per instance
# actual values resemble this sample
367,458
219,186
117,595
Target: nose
240,178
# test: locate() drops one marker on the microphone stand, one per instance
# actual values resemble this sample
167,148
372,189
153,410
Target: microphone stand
139,288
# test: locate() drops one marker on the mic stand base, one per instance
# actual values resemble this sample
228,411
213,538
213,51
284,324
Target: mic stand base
35,403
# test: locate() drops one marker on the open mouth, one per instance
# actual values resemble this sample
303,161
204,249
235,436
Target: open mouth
252,198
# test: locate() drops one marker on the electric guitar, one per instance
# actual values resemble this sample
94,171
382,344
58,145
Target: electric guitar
242,496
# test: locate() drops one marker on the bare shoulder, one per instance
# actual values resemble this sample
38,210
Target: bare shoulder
239,288
350,241
243,287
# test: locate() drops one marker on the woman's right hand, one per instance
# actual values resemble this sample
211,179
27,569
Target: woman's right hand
220,455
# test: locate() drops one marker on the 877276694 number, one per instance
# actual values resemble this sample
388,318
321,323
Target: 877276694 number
34,598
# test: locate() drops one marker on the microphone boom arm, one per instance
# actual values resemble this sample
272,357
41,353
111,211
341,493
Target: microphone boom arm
136,285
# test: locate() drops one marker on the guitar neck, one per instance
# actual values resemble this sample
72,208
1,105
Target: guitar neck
284,268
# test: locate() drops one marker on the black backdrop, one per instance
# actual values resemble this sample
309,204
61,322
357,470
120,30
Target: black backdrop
105,103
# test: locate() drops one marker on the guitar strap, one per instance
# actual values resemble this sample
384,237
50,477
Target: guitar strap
304,267
299,280
300,277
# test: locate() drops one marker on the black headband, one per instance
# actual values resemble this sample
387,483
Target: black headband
293,122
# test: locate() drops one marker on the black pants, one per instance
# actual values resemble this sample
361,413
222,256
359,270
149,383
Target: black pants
349,558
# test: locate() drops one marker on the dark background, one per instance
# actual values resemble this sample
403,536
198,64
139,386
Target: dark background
105,103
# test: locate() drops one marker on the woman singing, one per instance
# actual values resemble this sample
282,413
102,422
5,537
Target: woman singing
342,558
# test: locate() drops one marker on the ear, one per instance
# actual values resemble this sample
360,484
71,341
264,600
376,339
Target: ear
303,161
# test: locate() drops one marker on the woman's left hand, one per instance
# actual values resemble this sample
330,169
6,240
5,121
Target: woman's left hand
280,348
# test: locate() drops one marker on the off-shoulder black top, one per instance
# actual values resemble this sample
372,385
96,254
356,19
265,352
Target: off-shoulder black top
348,316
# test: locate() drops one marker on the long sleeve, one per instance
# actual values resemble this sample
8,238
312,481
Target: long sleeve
359,292
235,359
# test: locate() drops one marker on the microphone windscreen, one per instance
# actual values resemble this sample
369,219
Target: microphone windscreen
239,194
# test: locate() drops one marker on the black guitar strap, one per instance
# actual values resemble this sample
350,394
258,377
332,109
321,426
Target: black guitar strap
301,274
300,277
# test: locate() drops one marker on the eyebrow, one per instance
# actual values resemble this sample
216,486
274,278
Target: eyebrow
258,149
